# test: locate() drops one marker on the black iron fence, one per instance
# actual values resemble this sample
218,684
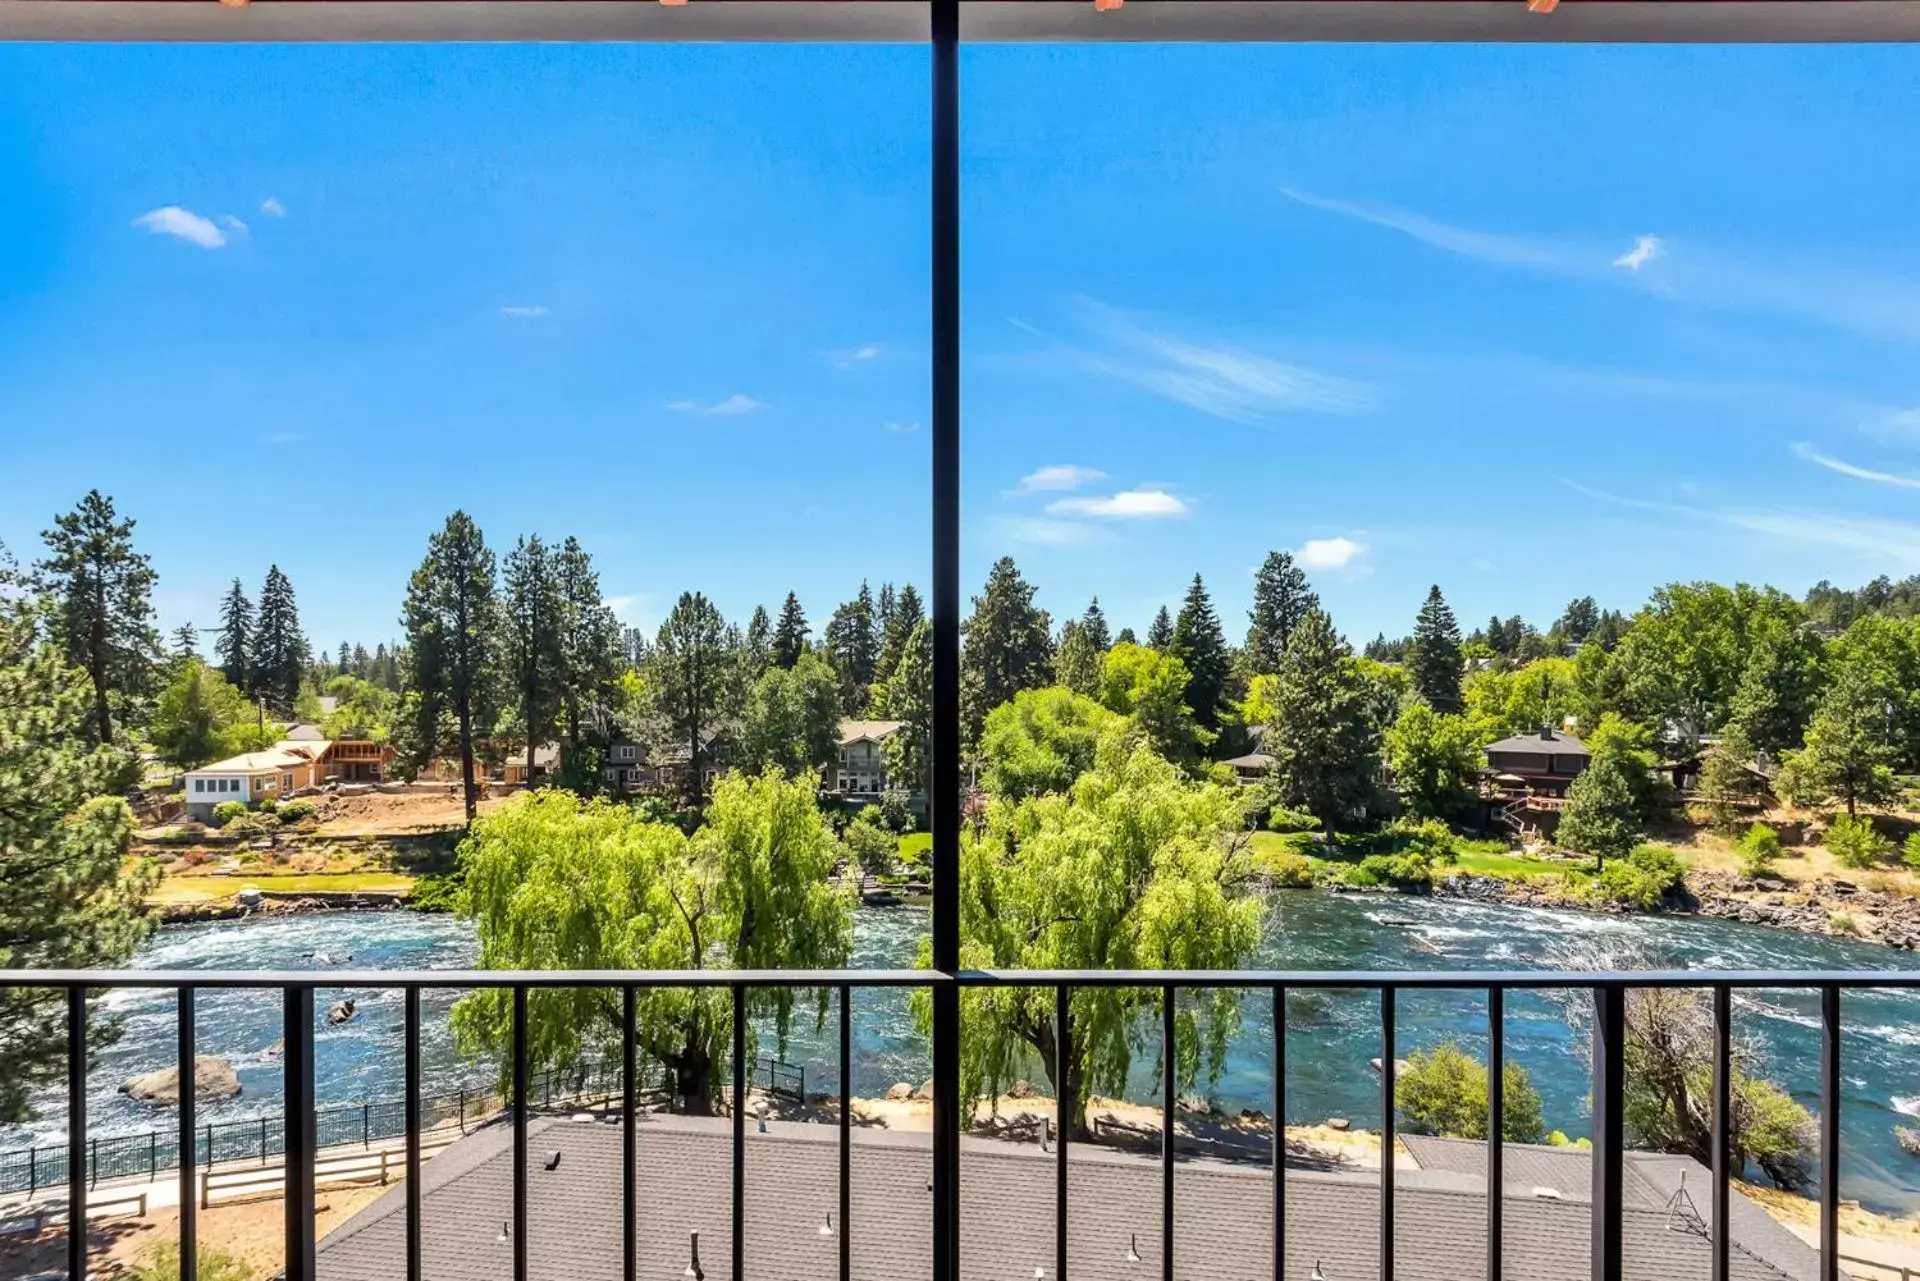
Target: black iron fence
262,1138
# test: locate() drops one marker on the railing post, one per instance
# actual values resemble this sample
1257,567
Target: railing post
1389,1048
297,1134
629,1173
1168,1052
1609,1081
1064,1121
520,1134
1279,1133
846,1133
1830,1132
1496,1130
77,1133
411,1071
1722,1130
741,1089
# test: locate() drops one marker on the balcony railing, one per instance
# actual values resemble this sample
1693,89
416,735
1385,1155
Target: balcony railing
1609,994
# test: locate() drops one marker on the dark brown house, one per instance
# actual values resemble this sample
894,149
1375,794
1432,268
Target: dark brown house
1546,763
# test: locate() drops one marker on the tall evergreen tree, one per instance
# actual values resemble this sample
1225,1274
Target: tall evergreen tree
907,697
1851,749
533,652
452,621
908,613
1322,738
362,665
1199,643
1281,598
1434,656
1076,663
1008,645
1124,637
687,679
883,612
759,644
235,646
1160,633
853,645
102,596
279,646
346,659
1578,620
1094,624
186,641
589,640
790,633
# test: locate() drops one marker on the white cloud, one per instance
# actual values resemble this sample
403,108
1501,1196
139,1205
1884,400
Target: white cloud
857,356
901,428
1645,249
1819,459
1881,540
1224,381
172,220
1329,553
272,207
1058,476
1128,504
1896,424
1035,531
533,312
233,223
732,406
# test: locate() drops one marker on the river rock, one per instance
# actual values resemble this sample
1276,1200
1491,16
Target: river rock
1021,1090
1339,1123
213,1078
340,1012
899,1090
926,1089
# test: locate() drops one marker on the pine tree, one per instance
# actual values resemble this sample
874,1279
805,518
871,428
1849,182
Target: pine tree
1199,643
346,658
362,665
907,697
452,621
908,613
1578,620
790,633
235,646
1434,657
533,610
1601,817
1094,624
1076,663
1160,634
687,678
1125,637
69,897
759,644
1281,599
186,641
1850,751
101,592
1322,739
279,646
883,612
1008,645
853,646
589,640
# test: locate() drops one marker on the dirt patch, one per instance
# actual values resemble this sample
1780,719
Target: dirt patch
413,813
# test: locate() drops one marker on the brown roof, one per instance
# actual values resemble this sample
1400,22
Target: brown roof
872,731
1223,1208
282,755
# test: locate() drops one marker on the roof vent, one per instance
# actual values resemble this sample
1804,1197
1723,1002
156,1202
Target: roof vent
553,1162
1548,1194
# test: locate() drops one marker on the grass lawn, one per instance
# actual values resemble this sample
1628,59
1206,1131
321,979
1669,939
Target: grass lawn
1504,865
207,889
916,845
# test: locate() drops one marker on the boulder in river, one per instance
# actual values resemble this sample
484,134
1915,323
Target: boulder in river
213,1078
340,1012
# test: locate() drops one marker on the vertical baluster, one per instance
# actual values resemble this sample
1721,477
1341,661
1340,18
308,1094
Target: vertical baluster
1388,1041
77,1133
184,1054
1279,1132
1167,1048
740,1093
1609,1080
1063,1121
629,1154
846,1133
520,1080
411,1113
1830,1132
297,1132
1722,1128
1496,1130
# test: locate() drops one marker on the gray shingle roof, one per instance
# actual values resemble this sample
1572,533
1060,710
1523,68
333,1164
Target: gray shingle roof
1223,1225
1559,745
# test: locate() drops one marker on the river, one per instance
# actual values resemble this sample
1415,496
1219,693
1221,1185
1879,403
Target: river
1331,1037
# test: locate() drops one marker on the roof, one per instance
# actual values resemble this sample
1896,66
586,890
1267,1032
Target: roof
303,732
1006,1193
282,755
868,731
1252,760
1537,744
546,755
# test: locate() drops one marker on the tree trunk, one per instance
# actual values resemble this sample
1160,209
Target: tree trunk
97,658
465,709
692,1070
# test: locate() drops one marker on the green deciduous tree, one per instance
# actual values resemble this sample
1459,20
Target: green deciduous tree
790,633
1779,686
1434,658
1521,700
792,719
1434,759
67,899
1040,741
1199,643
1443,1091
1281,598
1323,739
1851,743
1134,867
280,653
1008,645
452,620
1151,688
101,594
1680,663
556,882
199,718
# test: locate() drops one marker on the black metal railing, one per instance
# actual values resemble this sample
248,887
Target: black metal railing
1609,991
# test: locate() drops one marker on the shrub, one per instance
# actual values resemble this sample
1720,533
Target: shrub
1429,837
894,813
1290,871
1855,842
226,811
1444,1091
1910,852
295,811
1758,849
1642,879
1843,923
1410,868
872,846
210,1265
1282,819
269,806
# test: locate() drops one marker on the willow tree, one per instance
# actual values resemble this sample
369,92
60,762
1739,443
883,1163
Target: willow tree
555,882
1133,867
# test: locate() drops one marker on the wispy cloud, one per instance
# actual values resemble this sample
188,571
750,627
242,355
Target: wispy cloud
1128,504
272,207
732,406
533,312
1901,425
232,223
1329,553
1645,250
1792,283
1222,380
1056,477
1845,468
1885,540
1037,531
900,428
172,220
855,356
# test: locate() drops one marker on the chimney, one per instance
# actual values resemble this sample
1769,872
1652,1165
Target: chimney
1546,732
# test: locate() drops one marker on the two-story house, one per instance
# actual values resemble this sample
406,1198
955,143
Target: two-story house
859,769
1543,763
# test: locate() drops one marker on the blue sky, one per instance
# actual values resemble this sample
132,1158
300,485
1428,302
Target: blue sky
1529,322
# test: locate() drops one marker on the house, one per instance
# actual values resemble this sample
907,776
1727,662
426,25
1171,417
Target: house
859,770
632,766
1256,764
792,1230
625,765
1544,763
546,759
285,769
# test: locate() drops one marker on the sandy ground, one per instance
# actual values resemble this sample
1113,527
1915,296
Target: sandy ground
1804,856
394,814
